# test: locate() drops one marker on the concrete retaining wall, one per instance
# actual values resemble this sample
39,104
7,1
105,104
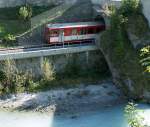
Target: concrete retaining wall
85,60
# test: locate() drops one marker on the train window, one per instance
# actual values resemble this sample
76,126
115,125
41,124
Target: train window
83,31
67,32
54,33
74,32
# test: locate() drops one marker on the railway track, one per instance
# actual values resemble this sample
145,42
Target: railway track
41,47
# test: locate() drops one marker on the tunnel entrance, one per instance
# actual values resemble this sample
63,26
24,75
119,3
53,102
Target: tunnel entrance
99,18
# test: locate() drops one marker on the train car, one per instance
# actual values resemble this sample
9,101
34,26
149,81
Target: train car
80,32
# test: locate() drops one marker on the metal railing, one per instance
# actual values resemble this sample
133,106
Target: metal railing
46,46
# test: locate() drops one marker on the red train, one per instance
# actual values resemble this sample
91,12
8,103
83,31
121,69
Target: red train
79,32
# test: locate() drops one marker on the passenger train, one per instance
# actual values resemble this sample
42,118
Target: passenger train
73,33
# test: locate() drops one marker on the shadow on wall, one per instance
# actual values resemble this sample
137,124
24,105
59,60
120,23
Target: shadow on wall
76,13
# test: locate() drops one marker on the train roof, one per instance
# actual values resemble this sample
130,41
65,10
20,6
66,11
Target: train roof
69,25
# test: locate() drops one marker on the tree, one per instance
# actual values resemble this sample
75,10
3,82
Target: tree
25,12
48,73
129,7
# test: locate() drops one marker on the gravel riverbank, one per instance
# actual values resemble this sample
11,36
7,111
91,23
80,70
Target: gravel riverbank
70,100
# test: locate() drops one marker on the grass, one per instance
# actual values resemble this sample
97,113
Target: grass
11,24
14,27
11,13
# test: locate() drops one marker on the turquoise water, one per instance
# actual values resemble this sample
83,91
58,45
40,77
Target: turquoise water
105,117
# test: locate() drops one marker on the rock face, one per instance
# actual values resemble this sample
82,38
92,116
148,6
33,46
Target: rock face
146,10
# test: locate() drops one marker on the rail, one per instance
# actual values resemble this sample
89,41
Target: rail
44,46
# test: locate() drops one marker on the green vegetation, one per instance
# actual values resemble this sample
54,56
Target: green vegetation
133,116
12,13
25,12
12,80
145,54
48,73
129,7
116,44
11,28
11,23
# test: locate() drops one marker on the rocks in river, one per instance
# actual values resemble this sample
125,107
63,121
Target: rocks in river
66,100
74,117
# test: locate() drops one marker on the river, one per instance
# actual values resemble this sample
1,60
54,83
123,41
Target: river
104,117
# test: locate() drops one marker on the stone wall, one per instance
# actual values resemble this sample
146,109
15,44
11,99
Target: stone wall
84,60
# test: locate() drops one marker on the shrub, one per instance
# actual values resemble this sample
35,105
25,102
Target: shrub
138,27
48,72
129,7
133,117
2,80
23,81
145,54
9,37
118,23
25,12
30,12
14,81
9,70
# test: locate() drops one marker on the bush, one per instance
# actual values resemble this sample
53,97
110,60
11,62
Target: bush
138,27
133,117
145,54
30,12
14,81
9,37
25,12
48,72
118,23
2,76
129,7
9,71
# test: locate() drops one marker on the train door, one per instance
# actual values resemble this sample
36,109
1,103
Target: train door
74,34
61,36
83,33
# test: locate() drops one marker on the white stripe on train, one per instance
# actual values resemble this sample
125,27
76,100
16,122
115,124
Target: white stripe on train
72,38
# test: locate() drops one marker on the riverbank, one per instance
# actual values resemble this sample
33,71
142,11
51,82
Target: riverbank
80,99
